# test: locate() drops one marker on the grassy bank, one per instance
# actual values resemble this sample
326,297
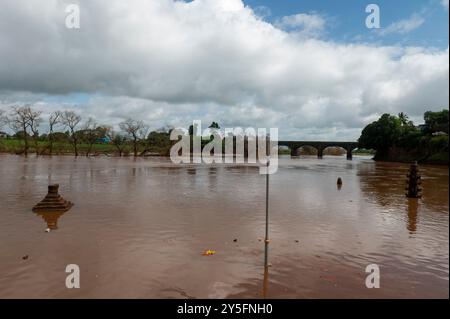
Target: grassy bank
16,146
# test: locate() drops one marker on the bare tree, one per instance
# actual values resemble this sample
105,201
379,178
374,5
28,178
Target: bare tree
136,130
70,119
34,119
19,121
53,120
90,134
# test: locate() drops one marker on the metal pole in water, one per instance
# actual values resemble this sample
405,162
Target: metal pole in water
266,257
267,216
266,241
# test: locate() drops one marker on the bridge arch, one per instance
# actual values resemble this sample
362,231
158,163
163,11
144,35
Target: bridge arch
334,150
297,151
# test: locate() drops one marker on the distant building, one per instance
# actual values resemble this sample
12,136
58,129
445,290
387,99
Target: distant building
105,140
422,127
439,134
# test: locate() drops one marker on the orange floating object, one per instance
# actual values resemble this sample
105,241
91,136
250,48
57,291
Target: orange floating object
209,252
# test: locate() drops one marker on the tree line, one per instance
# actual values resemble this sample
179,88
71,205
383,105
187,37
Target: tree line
396,137
68,128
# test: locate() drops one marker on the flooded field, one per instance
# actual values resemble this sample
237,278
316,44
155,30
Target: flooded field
139,227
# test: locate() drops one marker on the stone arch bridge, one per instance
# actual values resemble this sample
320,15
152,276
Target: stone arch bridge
320,146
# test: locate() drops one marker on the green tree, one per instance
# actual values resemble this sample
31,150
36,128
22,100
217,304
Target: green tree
382,134
404,119
214,125
159,142
436,121
118,140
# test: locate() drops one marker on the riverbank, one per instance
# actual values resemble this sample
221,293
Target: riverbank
400,155
15,146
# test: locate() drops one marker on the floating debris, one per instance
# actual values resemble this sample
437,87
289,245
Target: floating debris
235,240
53,201
339,183
209,252
47,230
25,257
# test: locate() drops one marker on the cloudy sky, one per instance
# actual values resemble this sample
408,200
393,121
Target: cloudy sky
311,68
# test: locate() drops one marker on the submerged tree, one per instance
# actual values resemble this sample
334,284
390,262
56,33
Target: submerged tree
159,141
118,140
54,119
71,120
90,134
137,131
21,119
35,120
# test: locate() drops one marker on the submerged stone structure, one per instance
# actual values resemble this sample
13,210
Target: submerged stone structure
53,202
414,180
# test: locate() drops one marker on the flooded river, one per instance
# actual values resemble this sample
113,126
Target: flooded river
139,227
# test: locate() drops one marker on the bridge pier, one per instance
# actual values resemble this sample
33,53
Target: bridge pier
320,152
349,154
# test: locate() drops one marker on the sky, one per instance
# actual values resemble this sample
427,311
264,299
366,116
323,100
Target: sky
312,69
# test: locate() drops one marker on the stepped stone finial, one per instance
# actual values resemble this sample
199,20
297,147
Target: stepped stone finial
53,201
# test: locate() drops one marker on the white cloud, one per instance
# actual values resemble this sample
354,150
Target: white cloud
171,62
404,26
308,24
262,11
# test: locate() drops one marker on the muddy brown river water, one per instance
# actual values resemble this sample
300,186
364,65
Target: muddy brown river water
139,227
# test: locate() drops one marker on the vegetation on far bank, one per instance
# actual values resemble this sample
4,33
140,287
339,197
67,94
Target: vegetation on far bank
66,133
396,138
391,138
